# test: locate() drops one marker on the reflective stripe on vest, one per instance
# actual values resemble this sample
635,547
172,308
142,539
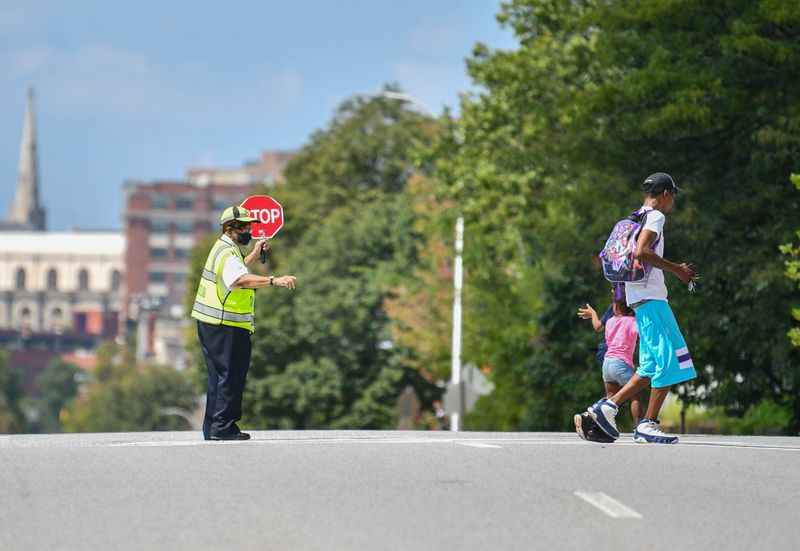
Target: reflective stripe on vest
222,314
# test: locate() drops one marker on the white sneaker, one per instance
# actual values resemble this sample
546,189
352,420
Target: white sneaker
648,432
604,414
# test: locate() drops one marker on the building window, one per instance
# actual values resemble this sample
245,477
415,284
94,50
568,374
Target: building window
56,319
116,280
79,322
157,277
158,253
20,280
159,202
184,203
52,279
83,280
25,318
159,226
183,254
184,226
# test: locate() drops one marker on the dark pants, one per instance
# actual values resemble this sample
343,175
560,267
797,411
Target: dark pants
227,353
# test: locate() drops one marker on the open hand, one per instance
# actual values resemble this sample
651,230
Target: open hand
289,282
587,312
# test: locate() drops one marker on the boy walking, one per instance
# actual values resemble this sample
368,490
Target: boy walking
664,358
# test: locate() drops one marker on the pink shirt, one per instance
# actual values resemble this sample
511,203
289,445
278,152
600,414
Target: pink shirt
621,335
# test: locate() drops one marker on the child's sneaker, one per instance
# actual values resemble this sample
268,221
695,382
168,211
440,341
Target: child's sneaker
588,429
604,414
648,432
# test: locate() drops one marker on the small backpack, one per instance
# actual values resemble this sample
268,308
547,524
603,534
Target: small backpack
617,257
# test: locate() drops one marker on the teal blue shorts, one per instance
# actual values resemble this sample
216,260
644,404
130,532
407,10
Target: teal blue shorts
663,355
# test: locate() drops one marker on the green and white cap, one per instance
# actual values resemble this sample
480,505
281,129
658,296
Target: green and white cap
240,214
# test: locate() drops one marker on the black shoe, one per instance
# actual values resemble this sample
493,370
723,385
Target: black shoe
236,436
587,428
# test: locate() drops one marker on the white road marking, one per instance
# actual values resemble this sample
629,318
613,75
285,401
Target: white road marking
478,445
161,444
608,505
489,442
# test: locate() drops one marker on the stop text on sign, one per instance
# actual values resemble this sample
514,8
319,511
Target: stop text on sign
267,216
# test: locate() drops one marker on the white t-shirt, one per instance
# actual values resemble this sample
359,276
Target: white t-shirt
233,269
654,288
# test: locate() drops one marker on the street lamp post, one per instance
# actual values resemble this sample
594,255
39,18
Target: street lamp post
455,368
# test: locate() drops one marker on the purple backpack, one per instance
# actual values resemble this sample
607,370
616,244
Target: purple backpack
617,257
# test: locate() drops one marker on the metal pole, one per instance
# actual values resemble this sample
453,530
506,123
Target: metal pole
455,368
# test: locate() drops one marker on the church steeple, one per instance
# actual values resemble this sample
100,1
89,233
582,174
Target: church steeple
26,211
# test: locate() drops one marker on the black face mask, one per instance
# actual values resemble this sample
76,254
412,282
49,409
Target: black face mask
244,238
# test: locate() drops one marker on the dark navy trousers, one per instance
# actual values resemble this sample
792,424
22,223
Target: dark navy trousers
227,354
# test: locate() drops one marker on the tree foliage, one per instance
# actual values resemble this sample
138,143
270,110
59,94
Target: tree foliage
793,272
12,418
550,153
58,386
124,396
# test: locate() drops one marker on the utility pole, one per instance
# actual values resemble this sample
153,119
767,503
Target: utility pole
455,368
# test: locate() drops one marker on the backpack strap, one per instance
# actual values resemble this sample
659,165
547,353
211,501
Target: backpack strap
639,216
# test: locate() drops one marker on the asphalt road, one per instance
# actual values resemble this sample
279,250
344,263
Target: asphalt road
396,490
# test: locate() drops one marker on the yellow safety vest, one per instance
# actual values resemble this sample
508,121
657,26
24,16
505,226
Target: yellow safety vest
216,304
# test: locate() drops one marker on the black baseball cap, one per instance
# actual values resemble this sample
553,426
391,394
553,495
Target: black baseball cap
659,182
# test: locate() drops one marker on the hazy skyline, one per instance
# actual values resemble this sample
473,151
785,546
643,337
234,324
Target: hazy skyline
146,91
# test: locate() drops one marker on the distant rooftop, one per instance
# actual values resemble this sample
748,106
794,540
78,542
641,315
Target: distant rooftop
267,169
90,242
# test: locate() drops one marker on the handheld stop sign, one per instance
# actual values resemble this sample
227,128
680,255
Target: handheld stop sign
269,214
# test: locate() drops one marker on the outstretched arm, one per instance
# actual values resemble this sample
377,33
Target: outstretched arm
253,281
647,255
589,313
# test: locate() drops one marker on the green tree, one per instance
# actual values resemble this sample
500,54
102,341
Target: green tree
680,94
531,209
58,386
11,417
793,271
369,148
323,355
420,307
550,152
123,396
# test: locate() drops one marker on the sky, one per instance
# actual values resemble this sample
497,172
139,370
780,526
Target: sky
144,90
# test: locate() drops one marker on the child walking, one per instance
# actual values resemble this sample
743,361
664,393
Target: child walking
621,337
